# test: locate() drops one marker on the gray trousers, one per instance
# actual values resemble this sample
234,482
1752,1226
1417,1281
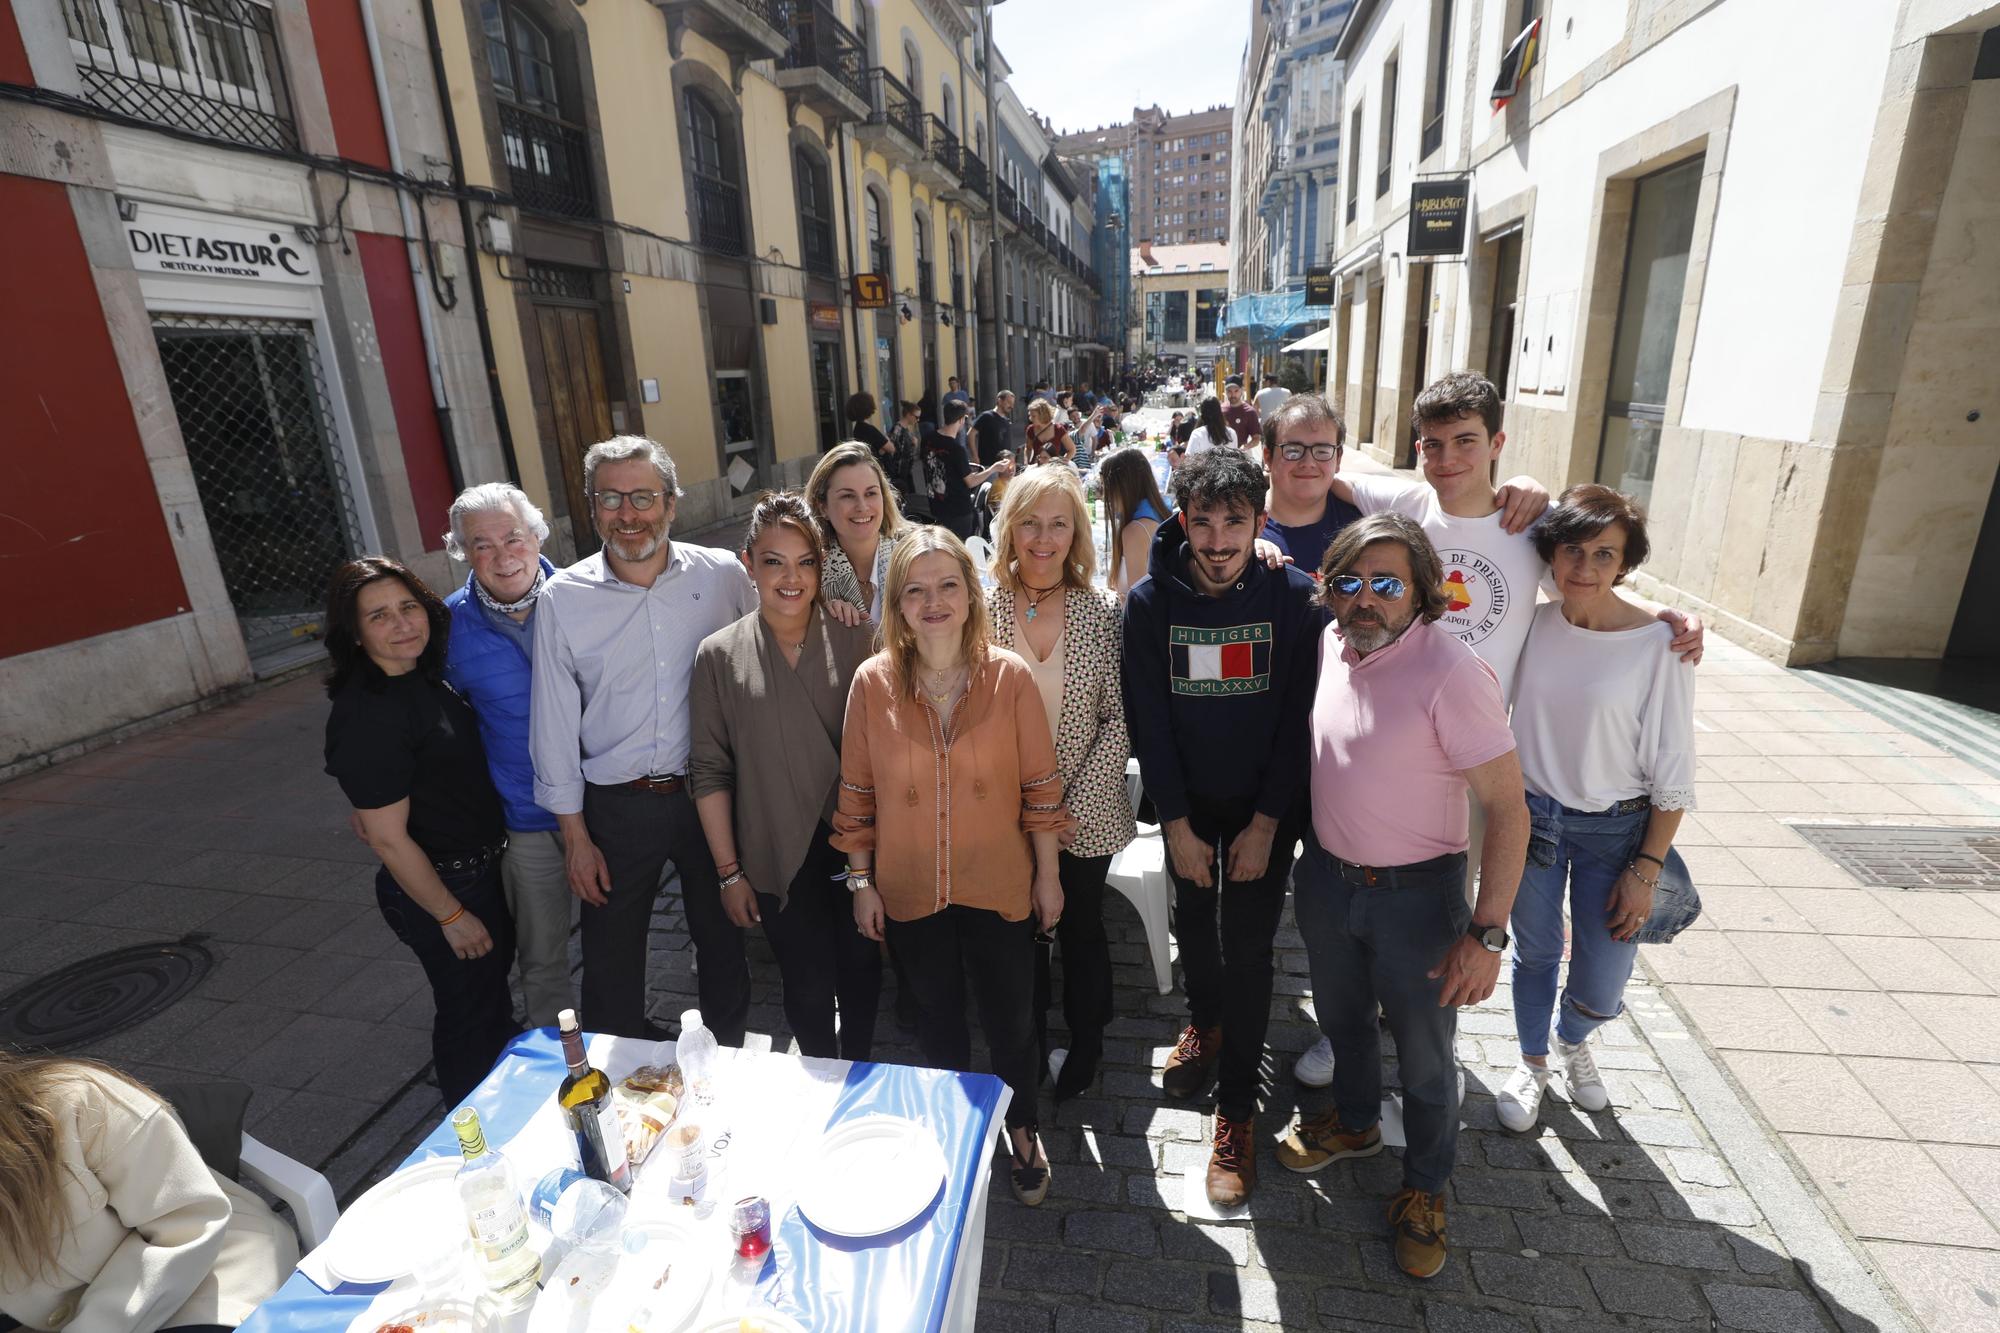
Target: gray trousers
537,885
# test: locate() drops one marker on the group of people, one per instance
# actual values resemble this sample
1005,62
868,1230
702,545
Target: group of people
838,735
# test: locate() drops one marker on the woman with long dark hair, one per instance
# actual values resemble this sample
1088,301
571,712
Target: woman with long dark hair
405,749
1210,430
110,1221
1134,510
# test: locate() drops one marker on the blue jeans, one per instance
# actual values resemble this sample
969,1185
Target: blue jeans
1583,852
1370,948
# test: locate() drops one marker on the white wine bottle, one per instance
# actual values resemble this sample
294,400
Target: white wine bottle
585,1098
493,1213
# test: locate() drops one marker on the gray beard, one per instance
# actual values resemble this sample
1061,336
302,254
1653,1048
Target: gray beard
1368,637
645,552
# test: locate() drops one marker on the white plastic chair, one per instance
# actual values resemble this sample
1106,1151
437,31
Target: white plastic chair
299,1187
1140,873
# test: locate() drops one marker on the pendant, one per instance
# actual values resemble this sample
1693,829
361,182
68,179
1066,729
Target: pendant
1031,613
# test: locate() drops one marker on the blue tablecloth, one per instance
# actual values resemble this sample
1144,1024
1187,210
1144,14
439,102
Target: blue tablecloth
885,1283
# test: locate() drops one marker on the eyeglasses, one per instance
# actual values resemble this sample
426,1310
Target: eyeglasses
612,501
1386,586
1322,453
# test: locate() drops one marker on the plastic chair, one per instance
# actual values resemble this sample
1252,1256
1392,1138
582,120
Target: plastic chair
296,1185
1140,873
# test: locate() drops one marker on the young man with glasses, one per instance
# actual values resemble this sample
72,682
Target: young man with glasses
615,640
1405,720
1303,439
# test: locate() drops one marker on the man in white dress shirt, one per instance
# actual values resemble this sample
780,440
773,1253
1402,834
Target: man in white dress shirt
615,640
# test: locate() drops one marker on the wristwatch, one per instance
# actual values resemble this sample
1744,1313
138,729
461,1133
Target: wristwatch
1494,938
857,880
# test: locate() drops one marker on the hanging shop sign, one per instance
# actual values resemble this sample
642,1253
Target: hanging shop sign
871,291
205,245
1319,286
825,315
1437,217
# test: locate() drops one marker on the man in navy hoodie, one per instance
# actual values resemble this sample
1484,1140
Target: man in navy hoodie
1220,662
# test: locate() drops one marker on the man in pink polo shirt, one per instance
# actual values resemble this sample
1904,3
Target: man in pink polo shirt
1405,720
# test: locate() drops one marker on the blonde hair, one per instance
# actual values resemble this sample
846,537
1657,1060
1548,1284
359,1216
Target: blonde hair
33,1221
899,641
1027,491
1043,409
821,481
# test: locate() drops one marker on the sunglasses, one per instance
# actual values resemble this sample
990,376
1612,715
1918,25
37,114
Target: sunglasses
1386,586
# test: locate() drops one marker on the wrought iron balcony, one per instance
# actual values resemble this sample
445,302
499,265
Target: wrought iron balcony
209,67
972,174
944,147
1010,204
895,117
825,65
548,162
752,29
936,163
718,215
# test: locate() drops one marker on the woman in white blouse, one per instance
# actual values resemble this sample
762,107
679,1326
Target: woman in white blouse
1604,722
1211,431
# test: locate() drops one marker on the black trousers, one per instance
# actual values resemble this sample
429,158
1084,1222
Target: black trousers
822,958
1225,939
475,1009
945,950
640,833
1086,957
966,526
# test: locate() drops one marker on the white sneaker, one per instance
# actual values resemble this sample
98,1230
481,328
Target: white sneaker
1315,1067
1519,1101
1586,1085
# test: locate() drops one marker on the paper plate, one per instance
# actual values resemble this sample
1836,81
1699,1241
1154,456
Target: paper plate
580,1297
872,1175
418,1314
384,1233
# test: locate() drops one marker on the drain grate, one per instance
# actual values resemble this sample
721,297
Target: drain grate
1900,856
98,996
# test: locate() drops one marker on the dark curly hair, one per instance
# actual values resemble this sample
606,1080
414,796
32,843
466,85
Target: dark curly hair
1586,509
1426,569
343,622
1222,476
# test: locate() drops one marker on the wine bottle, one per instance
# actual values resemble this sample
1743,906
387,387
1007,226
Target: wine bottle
493,1213
585,1098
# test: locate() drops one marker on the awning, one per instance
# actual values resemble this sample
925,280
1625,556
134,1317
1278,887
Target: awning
1313,342
1265,316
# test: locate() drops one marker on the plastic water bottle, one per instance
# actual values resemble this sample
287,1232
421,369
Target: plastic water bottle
696,1053
579,1212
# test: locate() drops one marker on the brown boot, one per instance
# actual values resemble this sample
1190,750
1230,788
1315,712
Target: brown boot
1417,1219
1192,1062
1232,1163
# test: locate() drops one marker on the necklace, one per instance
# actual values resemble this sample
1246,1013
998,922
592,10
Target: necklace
1036,596
942,683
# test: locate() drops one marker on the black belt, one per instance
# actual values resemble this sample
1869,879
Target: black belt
1395,877
478,860
1631,805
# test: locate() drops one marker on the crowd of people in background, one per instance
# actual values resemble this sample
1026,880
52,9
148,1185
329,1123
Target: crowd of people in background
860,734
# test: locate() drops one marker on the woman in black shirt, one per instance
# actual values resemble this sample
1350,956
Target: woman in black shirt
405,749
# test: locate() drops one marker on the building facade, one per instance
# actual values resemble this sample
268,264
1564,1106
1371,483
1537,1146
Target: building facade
1826,492
1050,287
1177,168
1180,292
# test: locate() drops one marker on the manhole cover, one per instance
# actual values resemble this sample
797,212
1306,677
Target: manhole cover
99,996
1894,856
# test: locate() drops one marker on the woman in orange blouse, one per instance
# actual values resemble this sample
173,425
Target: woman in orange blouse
951,813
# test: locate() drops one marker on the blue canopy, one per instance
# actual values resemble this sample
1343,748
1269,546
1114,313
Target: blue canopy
1267,316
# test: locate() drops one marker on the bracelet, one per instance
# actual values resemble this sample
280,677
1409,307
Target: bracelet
1648,856
729,867
1633,871
447,920
727,880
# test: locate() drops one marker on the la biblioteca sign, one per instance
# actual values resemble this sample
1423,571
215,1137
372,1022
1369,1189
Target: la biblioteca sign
1437,218
202,245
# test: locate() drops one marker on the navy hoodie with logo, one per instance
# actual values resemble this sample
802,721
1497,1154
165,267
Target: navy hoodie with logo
1219,690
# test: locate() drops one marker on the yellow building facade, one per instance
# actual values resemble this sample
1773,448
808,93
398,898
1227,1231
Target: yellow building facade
680,195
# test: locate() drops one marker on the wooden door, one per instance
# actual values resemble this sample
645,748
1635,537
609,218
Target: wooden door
577,403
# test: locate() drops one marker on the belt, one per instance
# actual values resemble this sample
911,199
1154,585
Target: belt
1396,877
1632,805
665,784
470,861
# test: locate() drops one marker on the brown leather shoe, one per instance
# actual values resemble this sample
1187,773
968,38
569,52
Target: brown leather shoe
1417,1219
1232,1163
1320,1140
1192,1062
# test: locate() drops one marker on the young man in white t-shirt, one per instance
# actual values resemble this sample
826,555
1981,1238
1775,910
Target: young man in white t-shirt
1491,566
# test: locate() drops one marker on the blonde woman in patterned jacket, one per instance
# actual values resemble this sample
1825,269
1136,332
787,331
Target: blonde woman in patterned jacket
1045,608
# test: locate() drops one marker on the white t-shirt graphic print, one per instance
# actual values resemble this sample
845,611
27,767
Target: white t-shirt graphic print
1490,575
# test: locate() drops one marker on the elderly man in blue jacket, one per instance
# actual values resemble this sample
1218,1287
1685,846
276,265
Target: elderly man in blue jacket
499,532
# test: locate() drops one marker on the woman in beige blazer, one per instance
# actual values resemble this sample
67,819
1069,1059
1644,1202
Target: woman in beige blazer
109,1220
1045,608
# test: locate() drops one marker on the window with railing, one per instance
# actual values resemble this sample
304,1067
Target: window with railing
957,272
1439,78
1386,139
717,198
920,239
892,103
207,66
878,235
943,147
815,212
547,154
820,41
